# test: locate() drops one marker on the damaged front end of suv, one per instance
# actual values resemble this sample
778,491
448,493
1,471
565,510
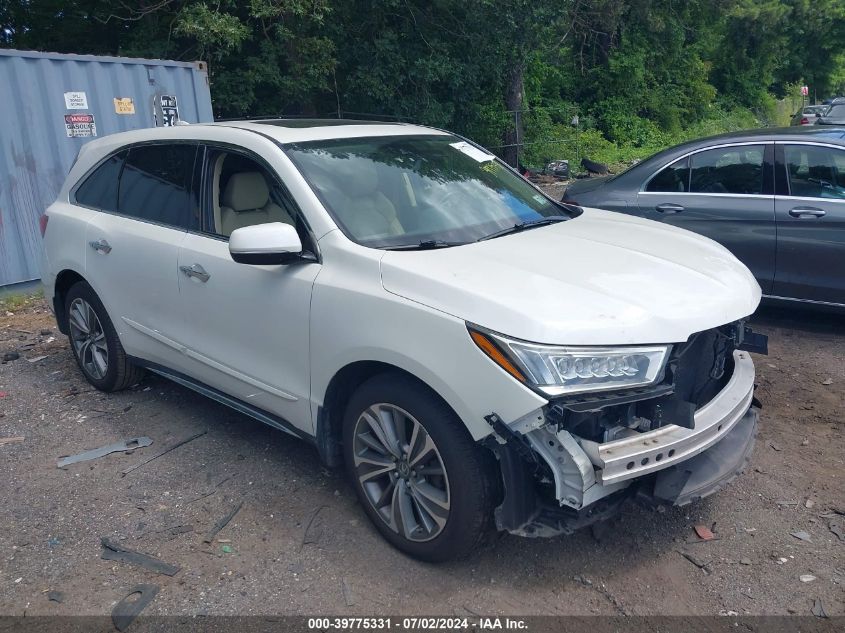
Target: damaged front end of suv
661,424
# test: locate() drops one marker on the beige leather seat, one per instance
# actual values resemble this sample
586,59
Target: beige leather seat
368,212
246,201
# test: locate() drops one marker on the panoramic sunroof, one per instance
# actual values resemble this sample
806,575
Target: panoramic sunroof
303,123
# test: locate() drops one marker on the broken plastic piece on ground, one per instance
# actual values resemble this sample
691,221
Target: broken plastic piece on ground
125,472
818,609
56,596
11,440
704,533
222,523
125,611
95,453
802,535
113,551
227,549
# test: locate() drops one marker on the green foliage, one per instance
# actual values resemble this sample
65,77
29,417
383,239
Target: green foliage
510,74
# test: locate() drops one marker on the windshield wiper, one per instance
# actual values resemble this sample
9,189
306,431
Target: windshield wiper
528,224
425,245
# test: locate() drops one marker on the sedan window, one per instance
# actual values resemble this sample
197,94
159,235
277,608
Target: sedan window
99,190
671,179
815,171
734,170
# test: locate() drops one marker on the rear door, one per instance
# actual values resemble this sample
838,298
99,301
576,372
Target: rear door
133,248
810,212
725,193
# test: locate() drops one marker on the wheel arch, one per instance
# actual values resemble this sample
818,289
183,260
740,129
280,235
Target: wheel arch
329,421
64,282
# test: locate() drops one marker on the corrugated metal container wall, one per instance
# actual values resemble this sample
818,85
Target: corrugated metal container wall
39,142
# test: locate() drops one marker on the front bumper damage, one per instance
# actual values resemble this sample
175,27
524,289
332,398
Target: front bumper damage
586,480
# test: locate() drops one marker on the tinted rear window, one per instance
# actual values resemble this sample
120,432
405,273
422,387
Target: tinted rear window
155,185
99,190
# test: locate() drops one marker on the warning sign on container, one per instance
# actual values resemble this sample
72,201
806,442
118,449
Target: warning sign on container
76,101
124,105
166,111
80,125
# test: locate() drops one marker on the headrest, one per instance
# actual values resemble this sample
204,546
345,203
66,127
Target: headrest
246,190
358,180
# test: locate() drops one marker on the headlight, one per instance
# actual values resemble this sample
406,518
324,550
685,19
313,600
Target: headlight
558,371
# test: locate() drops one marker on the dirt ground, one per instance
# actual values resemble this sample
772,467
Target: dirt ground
300,544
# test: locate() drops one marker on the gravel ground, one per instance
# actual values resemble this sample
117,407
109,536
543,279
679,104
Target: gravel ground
300,544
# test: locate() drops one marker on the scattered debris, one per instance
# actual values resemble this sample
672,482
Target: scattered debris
35,359
46,332
222,523
695,560
314,530
744,561
11,440
347,593
802,535
836,527
806,578
113,551
226,549
787,503
125,472
125,611
805,441
10,356
583,580
782,560
55,596
704,533
774,446
818,609
809,503
124,446
827,381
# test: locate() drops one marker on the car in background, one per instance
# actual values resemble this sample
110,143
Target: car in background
808,115
834,115
774,197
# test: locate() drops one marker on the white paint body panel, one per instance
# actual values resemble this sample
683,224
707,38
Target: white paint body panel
275,336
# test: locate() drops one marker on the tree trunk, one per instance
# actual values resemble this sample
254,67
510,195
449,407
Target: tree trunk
513,103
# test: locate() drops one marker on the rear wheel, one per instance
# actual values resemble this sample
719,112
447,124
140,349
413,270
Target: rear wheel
420,477
95,343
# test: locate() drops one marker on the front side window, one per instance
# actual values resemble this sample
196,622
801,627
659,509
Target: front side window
99,190
396,191
733,170
815,171
671,179
155,185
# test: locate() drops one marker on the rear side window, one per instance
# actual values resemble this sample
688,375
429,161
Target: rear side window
815,171
674,178
99,190
736,170
156,185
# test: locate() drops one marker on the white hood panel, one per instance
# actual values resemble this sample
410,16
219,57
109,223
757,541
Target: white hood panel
600,279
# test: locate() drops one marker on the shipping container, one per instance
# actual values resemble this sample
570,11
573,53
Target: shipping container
51,105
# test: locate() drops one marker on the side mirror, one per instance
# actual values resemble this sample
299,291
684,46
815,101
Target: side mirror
272,243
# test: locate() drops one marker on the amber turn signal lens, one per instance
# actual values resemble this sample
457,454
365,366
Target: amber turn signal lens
489,348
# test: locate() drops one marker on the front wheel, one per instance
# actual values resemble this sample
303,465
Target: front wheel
420,477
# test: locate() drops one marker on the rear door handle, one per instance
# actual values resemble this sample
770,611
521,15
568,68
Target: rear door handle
804,213
101,246
669,208
196,271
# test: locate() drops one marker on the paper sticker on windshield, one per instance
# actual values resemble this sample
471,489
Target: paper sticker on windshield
473,152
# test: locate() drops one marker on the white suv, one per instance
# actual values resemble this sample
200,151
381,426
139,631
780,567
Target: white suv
476,353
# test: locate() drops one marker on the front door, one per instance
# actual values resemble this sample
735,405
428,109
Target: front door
810,212
724,193
246,326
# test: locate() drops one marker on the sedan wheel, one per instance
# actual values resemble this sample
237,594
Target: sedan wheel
401,472
88,338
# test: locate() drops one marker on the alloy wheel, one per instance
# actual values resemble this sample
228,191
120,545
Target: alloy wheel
401,472
88,339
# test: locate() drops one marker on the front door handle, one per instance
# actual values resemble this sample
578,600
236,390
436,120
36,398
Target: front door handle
101,246
669,208
196,271
804,213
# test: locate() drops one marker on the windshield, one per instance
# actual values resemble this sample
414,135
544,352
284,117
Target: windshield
394,191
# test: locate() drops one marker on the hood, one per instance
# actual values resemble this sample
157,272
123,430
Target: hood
601,278
584,185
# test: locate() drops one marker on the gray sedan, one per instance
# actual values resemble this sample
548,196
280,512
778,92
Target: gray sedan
774,197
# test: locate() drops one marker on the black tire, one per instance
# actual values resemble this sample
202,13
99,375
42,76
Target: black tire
119,373
468,469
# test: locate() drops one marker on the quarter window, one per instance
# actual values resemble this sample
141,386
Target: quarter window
99,190
156,185
672,179
815,171
736,170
